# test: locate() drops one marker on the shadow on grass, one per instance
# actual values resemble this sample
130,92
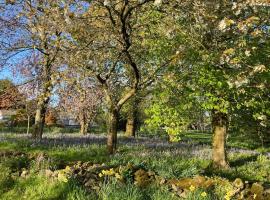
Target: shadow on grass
243,160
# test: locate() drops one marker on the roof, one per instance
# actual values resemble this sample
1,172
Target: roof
8,112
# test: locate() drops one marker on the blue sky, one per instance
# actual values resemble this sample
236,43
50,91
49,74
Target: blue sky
7,73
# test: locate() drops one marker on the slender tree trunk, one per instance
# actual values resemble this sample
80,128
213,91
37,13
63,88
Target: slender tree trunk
112,130
28,124
220,126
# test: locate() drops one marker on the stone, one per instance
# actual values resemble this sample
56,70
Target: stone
185,183
267,191
48,173
238,183
24,173
141,178
257,188
90,183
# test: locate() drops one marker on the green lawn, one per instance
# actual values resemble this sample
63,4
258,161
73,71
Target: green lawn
167,162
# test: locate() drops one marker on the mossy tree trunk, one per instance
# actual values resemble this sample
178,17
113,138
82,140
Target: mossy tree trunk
131,124
40,118
84,123
220,126
43,100
131,127
112,130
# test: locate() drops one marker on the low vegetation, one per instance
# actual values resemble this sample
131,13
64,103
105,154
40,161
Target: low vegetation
78,167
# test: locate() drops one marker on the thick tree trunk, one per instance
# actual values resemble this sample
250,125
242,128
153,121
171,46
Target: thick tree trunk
112,130
131,122
84,127
130,127
39,120
220,126
43,100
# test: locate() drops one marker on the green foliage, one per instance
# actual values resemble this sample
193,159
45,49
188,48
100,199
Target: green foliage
6,181
16,163
114,191
76,192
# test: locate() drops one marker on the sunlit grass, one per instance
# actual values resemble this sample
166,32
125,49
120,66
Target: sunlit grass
167,161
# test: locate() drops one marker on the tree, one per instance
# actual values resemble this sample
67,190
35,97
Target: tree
81,97
50,118
40,25
28,89
230,67
10,97
122,50
222,65
46,27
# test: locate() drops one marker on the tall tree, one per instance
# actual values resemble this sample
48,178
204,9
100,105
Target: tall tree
120,43
34,32
224,64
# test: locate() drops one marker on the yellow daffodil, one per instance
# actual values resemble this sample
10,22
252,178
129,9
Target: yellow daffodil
227,197
108,172
118,176
191,188
203,194
254,196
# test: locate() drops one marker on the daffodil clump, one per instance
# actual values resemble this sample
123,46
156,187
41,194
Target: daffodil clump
110,173
202,194
64,174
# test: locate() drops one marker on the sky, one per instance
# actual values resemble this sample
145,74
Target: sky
5,71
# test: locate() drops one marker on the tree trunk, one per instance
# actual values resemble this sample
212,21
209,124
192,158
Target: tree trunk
220,126
28,124
43,99
112,130
40,118
84,127
131,122
130,127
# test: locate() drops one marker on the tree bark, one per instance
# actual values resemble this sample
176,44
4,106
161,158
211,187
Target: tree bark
131,123
130,127
112,130
84,126
43,99
40,119
28,124
220,126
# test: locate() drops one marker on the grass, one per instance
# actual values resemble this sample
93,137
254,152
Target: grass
233,141
168,161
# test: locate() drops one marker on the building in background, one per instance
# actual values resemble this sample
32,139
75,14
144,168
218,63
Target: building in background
6,115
